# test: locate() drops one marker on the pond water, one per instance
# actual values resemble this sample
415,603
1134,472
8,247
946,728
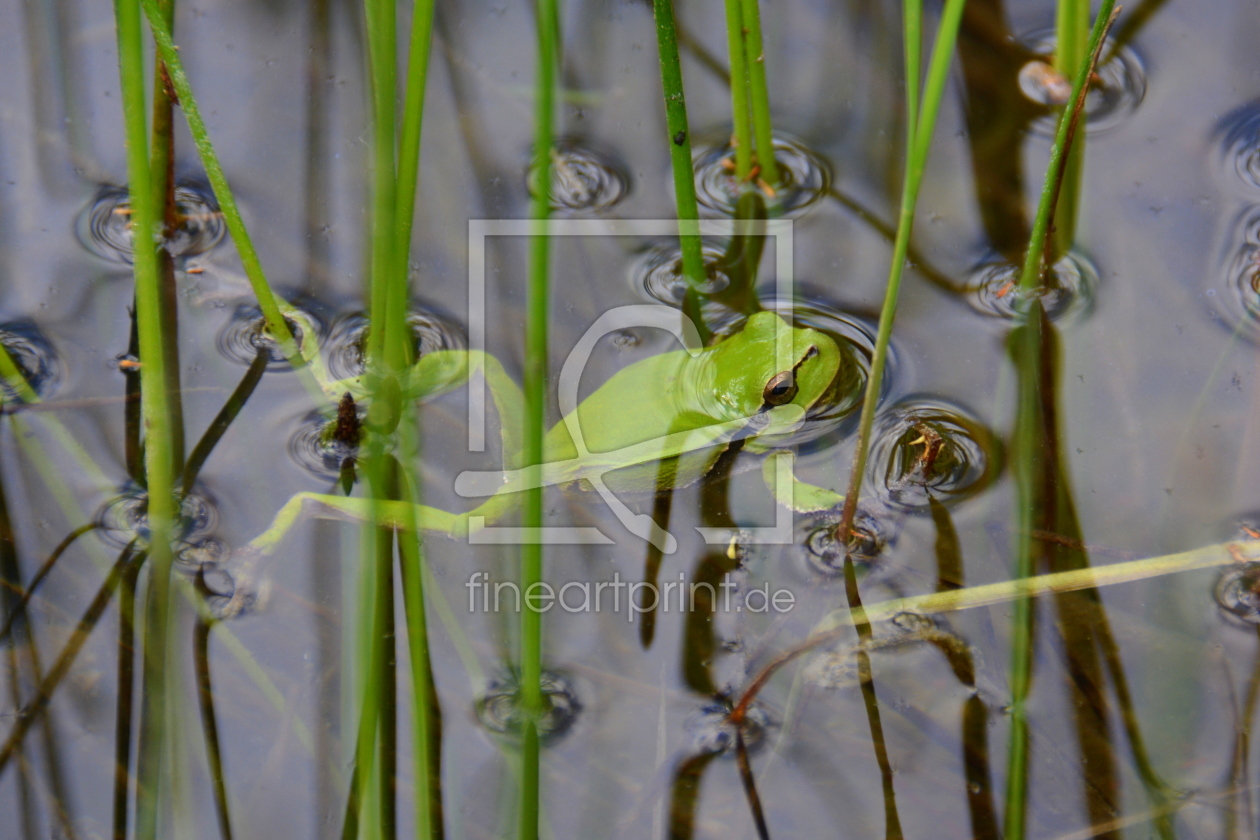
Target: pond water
1144,694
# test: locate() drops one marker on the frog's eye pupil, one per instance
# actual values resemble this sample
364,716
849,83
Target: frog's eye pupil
781,389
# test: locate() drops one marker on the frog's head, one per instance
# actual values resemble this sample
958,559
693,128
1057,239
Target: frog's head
773,371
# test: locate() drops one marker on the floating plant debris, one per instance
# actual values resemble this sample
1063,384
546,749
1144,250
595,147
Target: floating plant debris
431,330
1115,92
34,357
1069,291
499,709
582,178
104,226
804,178
925,448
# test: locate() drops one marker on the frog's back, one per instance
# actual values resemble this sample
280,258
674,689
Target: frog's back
637,404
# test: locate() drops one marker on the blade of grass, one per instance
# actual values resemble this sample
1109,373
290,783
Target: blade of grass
1030,276
916,163
268,303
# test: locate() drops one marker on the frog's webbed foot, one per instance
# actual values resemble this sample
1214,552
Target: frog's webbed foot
791,492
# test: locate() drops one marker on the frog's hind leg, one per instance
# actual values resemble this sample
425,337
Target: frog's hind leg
390,514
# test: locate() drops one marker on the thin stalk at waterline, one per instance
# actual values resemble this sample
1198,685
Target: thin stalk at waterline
155,412
758,90
268,303
916,163
680,160
741,132
536,364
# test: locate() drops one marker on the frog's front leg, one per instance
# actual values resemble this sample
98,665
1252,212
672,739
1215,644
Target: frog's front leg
790,491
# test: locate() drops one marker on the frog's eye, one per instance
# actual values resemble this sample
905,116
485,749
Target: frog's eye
781,389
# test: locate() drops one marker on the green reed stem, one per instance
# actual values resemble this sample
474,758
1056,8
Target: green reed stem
426,724
1071,39
1029,466
1030,276
912,36
267,301
382,59
409,147
755,57
155,410
742,137
916,163
680,156
535,412
1071,34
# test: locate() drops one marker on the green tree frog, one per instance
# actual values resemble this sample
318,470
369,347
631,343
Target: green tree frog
657,424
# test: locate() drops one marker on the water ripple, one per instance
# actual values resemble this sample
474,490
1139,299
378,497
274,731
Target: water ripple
431,330
34,357
104,226
582,178
993,288
500,711
1116,91
926,448
804,178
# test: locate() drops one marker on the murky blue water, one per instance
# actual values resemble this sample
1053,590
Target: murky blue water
1157,314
